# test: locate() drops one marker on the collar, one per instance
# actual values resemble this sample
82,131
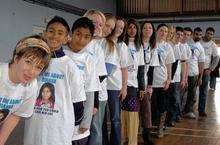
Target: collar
58,53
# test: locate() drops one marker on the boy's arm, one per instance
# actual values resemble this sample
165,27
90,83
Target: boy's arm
7,127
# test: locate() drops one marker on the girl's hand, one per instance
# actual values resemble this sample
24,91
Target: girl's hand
166,84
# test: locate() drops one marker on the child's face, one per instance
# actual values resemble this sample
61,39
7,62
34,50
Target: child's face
56,35
132,30
119,27
26,69
147,30
80,38
108,27
46,93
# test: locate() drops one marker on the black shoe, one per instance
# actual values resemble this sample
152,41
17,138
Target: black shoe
202,114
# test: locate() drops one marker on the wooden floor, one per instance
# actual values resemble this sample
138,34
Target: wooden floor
202,131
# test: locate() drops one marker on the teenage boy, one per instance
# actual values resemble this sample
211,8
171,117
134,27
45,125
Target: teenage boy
54,126
18,84
82,33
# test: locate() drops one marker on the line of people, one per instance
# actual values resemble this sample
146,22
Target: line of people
64,81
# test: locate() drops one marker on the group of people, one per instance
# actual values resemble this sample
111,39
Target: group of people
66,82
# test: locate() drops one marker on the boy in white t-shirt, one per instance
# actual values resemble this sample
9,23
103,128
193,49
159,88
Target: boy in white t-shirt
82,33
55,125
211,61
162,78
18,86
187,32
196,65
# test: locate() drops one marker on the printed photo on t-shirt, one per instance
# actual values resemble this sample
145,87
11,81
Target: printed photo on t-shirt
46,97
3,114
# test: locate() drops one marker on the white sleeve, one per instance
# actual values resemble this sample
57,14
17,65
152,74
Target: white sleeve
92,80
214,49
170,58
75,80
141,57
124,55
27,107
101,60
183,53
154,58
202,53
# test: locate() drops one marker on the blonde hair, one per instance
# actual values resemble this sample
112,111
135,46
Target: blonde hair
89,13
171,34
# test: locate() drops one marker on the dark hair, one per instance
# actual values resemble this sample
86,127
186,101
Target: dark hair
58,19
162,25
178,28
188,29
137,39
210,29
52,90
122,36
34,52
197,29
5,113
83,22
152,40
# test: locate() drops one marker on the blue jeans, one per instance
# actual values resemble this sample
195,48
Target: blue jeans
115,116
96,126
212,82
203,91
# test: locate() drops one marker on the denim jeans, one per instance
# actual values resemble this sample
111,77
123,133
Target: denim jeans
203,91
115,116
212,82
96,126
191,94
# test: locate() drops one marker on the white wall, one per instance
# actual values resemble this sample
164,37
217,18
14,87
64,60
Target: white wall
18,19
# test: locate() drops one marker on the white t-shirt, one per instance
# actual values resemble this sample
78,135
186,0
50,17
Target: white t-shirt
210,49
197,55
16,99
138,60
87,66
95,48
55,125
188,51
180,55
150,59
166,56
123,60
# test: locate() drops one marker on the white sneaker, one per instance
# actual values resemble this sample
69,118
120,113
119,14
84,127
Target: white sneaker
190,115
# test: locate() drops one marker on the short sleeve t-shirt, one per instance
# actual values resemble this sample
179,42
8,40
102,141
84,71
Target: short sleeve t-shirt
62,85
138,60
86,64
180,55
197,55
210,49
123,60
150,58
166,56
16,99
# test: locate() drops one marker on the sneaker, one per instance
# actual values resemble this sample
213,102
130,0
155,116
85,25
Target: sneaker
202,114
190,115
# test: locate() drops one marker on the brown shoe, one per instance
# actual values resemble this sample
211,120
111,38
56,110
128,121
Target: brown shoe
202,114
